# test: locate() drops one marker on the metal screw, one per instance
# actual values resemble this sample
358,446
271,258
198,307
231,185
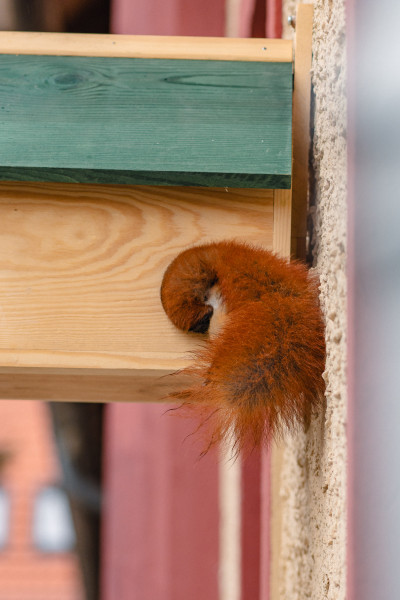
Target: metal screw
292,21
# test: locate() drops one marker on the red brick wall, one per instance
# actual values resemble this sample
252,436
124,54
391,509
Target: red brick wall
25,572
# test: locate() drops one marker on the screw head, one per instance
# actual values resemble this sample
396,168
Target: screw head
292,21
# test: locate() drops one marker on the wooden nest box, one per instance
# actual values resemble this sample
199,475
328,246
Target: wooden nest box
116,153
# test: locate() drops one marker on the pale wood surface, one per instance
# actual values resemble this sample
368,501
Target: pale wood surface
81,268
180,47
282,221
70,385
281,245
301,127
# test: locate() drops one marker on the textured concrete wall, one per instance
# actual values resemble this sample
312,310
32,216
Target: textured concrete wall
313,476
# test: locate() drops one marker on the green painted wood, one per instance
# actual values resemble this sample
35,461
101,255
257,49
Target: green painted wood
145,121
243,180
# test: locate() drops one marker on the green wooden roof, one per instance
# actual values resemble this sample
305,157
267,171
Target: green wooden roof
145,121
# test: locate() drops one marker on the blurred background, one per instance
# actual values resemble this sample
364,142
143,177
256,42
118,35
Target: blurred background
75,16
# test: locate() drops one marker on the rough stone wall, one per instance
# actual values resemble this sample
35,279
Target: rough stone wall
313,478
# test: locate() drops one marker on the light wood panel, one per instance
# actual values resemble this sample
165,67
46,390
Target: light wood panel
301,128
282,221
272,459
81,267
129,46
88,385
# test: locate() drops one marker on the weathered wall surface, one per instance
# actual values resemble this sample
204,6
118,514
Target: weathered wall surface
313,476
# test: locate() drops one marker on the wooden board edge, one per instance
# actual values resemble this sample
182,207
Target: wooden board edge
153,386
301,128
281,246
155,178
282,222
129,46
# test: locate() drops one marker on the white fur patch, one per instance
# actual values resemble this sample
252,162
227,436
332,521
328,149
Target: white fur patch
214,299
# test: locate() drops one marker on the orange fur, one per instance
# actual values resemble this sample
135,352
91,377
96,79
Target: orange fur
261,375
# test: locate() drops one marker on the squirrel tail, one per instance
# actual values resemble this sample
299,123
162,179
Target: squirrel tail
186,285
261,375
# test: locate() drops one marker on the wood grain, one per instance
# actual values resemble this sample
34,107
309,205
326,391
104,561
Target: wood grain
81,267
282,221
145,121
231,180
129,46
72,385
301,128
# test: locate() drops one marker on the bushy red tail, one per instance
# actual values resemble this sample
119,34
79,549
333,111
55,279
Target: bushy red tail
262,374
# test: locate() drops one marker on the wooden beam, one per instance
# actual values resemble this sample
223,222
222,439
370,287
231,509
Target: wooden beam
88,385
282,221
301,128
140,46
271,460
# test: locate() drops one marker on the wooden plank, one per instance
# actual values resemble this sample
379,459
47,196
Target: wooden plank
301,127
81,268
87,385
272,460
228,180
282,221
140,46
145,121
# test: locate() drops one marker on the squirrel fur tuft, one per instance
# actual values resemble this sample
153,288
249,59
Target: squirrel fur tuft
261,375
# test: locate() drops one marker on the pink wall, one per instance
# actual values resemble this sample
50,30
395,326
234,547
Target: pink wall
169,17
260,18
251,526
161,521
